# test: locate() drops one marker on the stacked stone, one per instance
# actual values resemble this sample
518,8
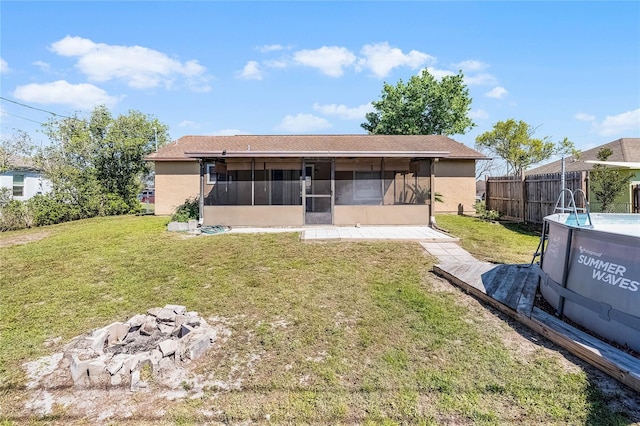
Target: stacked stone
126,354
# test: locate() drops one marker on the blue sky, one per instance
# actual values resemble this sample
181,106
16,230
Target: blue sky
571,69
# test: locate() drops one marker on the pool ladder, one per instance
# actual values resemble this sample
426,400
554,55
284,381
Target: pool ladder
576,215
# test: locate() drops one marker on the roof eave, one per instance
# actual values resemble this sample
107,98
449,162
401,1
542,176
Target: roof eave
333,154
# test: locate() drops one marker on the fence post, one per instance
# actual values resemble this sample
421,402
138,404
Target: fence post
523,194
487,204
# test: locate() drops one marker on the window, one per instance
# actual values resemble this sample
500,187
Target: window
367,186
278,188
18,185
211,174
358,188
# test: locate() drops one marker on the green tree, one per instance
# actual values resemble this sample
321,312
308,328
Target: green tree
97,164
513,141
422,106
608,183
12,149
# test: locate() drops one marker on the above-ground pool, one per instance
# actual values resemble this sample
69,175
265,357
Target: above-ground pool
590,272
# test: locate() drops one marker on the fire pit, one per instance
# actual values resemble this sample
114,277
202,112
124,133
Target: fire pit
145,346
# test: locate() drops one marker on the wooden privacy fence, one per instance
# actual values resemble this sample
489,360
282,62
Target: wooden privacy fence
530,198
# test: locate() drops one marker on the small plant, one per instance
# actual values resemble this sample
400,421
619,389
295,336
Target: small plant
190,209
422,194
186,385
483,213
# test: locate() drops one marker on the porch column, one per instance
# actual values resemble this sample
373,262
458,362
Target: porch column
432,193
201,201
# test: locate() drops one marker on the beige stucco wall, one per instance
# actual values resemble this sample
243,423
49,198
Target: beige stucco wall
253,215
175,182
401,214
456,181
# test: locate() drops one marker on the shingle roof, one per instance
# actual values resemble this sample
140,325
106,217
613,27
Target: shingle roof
187,147
625,149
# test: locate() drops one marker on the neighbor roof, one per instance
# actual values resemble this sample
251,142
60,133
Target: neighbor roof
623,150
191,147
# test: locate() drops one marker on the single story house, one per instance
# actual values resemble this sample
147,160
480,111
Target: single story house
23,180
625,156
295,180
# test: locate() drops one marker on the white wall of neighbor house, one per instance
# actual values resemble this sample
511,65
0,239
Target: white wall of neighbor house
175,181
23,185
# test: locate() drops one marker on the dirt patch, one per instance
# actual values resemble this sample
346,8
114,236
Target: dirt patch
527,345
24,239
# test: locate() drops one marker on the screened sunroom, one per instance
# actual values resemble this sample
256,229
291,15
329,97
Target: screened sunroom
307,191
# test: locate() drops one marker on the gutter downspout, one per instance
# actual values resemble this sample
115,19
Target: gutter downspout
432,192
201,200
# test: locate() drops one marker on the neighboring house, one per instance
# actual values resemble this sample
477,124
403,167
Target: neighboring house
24,180
625,156
481,189
315,179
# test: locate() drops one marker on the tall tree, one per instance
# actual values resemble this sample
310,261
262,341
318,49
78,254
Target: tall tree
100,160
13,148
608,183
513,141
422,106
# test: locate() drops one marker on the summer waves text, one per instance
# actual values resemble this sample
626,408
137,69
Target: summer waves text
609,272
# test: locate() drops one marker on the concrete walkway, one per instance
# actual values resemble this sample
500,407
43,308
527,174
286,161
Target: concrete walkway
393,233
448,252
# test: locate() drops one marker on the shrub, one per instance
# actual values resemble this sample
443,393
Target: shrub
190,209
15,215
115,205
483,213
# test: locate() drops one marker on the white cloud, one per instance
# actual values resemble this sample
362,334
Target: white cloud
330,60
251,71
188,123
471,65
497,93
343,111
4,66
44,67
82,96
303,123
276,64
480,80
479,114
584,117
138,66
619,124
272,48
381,58
439,74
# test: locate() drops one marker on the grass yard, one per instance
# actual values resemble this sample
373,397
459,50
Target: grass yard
323,332
499,242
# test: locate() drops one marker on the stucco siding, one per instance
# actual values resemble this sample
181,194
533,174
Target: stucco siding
456,181
253,215
382,215
174,183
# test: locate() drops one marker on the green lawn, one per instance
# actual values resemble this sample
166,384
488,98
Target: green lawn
499,242
324,332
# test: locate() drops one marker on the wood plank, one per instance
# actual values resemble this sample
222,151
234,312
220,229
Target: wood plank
499,276
505,285
616,363
515,292
528,295
470,273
